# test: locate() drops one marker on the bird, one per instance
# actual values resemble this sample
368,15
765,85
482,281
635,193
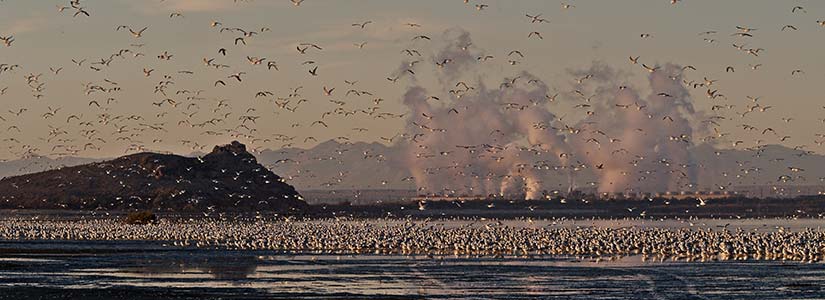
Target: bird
7,40
745,29
237,76
81,11
536,19
650,69
139,33
362,24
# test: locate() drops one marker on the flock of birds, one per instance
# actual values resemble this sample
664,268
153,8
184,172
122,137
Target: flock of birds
459,237
195,107
103,125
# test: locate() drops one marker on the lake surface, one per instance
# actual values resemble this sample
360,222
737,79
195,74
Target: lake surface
149,270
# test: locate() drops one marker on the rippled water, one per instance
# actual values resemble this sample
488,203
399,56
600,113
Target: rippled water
141,270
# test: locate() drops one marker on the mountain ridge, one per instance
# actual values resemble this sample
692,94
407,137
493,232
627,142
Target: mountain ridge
228,178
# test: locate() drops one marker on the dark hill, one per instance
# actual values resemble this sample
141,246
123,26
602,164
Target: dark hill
227,179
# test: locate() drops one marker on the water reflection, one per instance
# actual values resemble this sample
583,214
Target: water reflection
233,267
254,274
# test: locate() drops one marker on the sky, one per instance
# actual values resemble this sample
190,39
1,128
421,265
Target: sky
601,33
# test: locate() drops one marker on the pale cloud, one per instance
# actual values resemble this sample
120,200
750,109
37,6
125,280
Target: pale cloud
199,5
22,26
381,34
166,6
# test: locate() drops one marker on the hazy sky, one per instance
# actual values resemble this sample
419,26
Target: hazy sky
591,31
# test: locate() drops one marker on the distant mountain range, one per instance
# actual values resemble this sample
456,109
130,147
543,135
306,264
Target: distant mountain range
226,179
373,166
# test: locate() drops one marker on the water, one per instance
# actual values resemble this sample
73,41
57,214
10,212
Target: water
148,270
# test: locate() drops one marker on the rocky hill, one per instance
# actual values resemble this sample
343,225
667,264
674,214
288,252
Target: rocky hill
227,179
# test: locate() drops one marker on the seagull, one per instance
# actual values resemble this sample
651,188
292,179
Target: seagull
362,25
7,40
80,11
536,19
255,60
138,33
650,69
237,76
745,29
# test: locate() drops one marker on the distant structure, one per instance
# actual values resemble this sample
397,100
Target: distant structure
779,191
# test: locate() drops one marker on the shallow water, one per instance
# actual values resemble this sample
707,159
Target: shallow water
143,270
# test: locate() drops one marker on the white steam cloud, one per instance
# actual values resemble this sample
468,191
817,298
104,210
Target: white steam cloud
465,137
